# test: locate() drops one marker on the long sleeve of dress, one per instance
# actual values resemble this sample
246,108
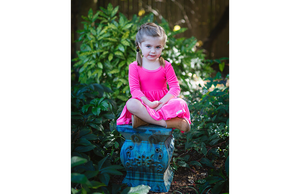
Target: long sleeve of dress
172,80
134,82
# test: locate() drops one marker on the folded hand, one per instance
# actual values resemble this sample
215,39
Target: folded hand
154,104
159,106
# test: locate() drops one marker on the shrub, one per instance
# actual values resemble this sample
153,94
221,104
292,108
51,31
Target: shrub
108,47
95,144
209,135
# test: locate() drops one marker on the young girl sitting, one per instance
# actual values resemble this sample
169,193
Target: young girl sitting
151,101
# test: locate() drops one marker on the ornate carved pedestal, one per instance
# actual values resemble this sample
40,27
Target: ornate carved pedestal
146,156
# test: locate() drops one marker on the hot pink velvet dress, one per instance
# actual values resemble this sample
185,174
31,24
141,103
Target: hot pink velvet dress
153,85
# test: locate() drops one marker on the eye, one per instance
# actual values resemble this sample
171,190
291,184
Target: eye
158,47
148,46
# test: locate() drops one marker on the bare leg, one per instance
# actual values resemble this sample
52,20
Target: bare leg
137,108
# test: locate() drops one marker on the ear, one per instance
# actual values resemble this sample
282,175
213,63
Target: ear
139,44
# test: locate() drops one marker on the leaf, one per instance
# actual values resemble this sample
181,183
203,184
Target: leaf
109,7
141,189
95,16
110,57
207,162
125,35
104,177
121,64
195,163
101,162
119,84
186,158
83,141
112,171
114,11
217,60
125,43
121,21
96,111
107,89
114,71
118,53
123,98
203,148
76,160
214,141
116,145
84,132
221,66
95,126
130,60
85,108
123,81
93,31
90,174
112,39
96,184
104,105
90,14
121,48
84,148
109,116
218,187
183,164
90,137
79,178
213,119
127,26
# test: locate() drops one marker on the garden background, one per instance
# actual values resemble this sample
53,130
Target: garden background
101,45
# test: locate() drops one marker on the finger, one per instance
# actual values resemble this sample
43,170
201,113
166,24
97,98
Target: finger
158,108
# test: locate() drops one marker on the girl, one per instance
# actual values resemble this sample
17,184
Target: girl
151,101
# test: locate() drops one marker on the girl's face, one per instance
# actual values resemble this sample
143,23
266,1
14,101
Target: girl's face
151,47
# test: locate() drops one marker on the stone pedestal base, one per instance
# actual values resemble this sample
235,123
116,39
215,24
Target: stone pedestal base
146,156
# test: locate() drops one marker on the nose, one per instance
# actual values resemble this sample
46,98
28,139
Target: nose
152,50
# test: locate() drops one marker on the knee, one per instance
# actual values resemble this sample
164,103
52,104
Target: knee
133,105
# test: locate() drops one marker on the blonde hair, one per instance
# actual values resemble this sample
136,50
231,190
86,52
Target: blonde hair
153,30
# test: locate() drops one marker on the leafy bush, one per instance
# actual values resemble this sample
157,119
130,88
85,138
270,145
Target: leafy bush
95,144
209,135
185,59
108,47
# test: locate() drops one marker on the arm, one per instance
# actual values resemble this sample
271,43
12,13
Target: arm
173,85
134,85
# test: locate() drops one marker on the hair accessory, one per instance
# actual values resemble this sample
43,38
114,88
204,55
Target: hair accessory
137,50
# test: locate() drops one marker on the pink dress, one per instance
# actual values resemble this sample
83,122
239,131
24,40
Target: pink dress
153,85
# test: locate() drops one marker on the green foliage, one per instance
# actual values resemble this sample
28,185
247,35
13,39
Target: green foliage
108,47
94,140
185,59
209,135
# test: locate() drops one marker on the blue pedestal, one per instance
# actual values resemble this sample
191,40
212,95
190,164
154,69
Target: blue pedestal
146,156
